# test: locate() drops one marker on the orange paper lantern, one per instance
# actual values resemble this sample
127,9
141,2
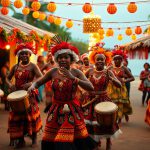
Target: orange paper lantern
57,21
132,8
120,37
18,3
4,10
101,37
69,23
128,31
109,32
111,9
133,37
87,8
26,11
35,14
5,3
138,30
51,7
36,6
50,19
42,16
101,31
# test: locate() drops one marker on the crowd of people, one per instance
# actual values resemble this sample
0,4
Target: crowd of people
73,87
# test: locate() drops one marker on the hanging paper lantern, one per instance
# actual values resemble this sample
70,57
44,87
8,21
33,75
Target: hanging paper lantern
36,5
50,19
35,14
69,23
4,10
26,11
42,16
109,32
87,8
128,31
18,3
91,23
101,31
51,7
57,21
148,30
111,9
132,8
120,37
133,37
101,37
138,30
5,3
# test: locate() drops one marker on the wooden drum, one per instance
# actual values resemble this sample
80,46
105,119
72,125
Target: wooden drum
1,93
106,113
19,101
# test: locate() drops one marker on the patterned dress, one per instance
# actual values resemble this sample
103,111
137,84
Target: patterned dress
20,124
95,130
65,130
120,95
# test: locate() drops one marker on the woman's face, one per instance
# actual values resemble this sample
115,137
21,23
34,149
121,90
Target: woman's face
86,61
100,61
64,60
25,56
117,61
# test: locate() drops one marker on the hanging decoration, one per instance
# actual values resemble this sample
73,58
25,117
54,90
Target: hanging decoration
69,23
111,9
109,32
57,21
120,37
26,11
4,10
42,16
18,3
133,37
51,7
50,19
91,23
5,3
101,31
35,14
138,30
87,8
132,8
36,5
128,31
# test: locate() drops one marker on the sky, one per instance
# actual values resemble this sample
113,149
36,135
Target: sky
75,12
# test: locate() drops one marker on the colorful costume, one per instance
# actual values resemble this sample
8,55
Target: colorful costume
147,115
28,122
100,84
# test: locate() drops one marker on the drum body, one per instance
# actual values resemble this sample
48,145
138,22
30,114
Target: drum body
106,113
19,101
1,93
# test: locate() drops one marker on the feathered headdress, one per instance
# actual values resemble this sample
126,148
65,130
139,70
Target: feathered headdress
119,52
85,55
59,47
98,49
24,47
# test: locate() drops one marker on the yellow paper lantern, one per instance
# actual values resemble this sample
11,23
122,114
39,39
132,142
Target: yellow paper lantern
36,5
42,16
101,37
57,21
128,31
26,11
69,23
133,37
4,10
148,30
35,14
51,7
18,3
101,31
50,19
120,37
91,23
109,32
5,3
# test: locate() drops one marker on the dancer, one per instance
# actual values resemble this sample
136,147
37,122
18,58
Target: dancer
65,128
25,123
100,77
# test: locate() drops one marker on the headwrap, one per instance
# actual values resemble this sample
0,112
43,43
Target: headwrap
85,55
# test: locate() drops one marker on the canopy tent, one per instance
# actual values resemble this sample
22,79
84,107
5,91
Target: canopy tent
139,48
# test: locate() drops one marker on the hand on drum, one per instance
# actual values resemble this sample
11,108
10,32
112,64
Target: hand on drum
32,88
26,86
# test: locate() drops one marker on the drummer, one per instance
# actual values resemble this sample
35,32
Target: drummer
26,123
100,77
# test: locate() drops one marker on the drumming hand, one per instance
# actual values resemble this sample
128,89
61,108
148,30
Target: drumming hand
32,87
27,85
67,73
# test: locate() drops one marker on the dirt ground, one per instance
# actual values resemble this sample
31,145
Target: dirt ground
135,134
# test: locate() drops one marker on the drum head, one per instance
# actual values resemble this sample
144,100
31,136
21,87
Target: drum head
1,93
17,95
105,107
